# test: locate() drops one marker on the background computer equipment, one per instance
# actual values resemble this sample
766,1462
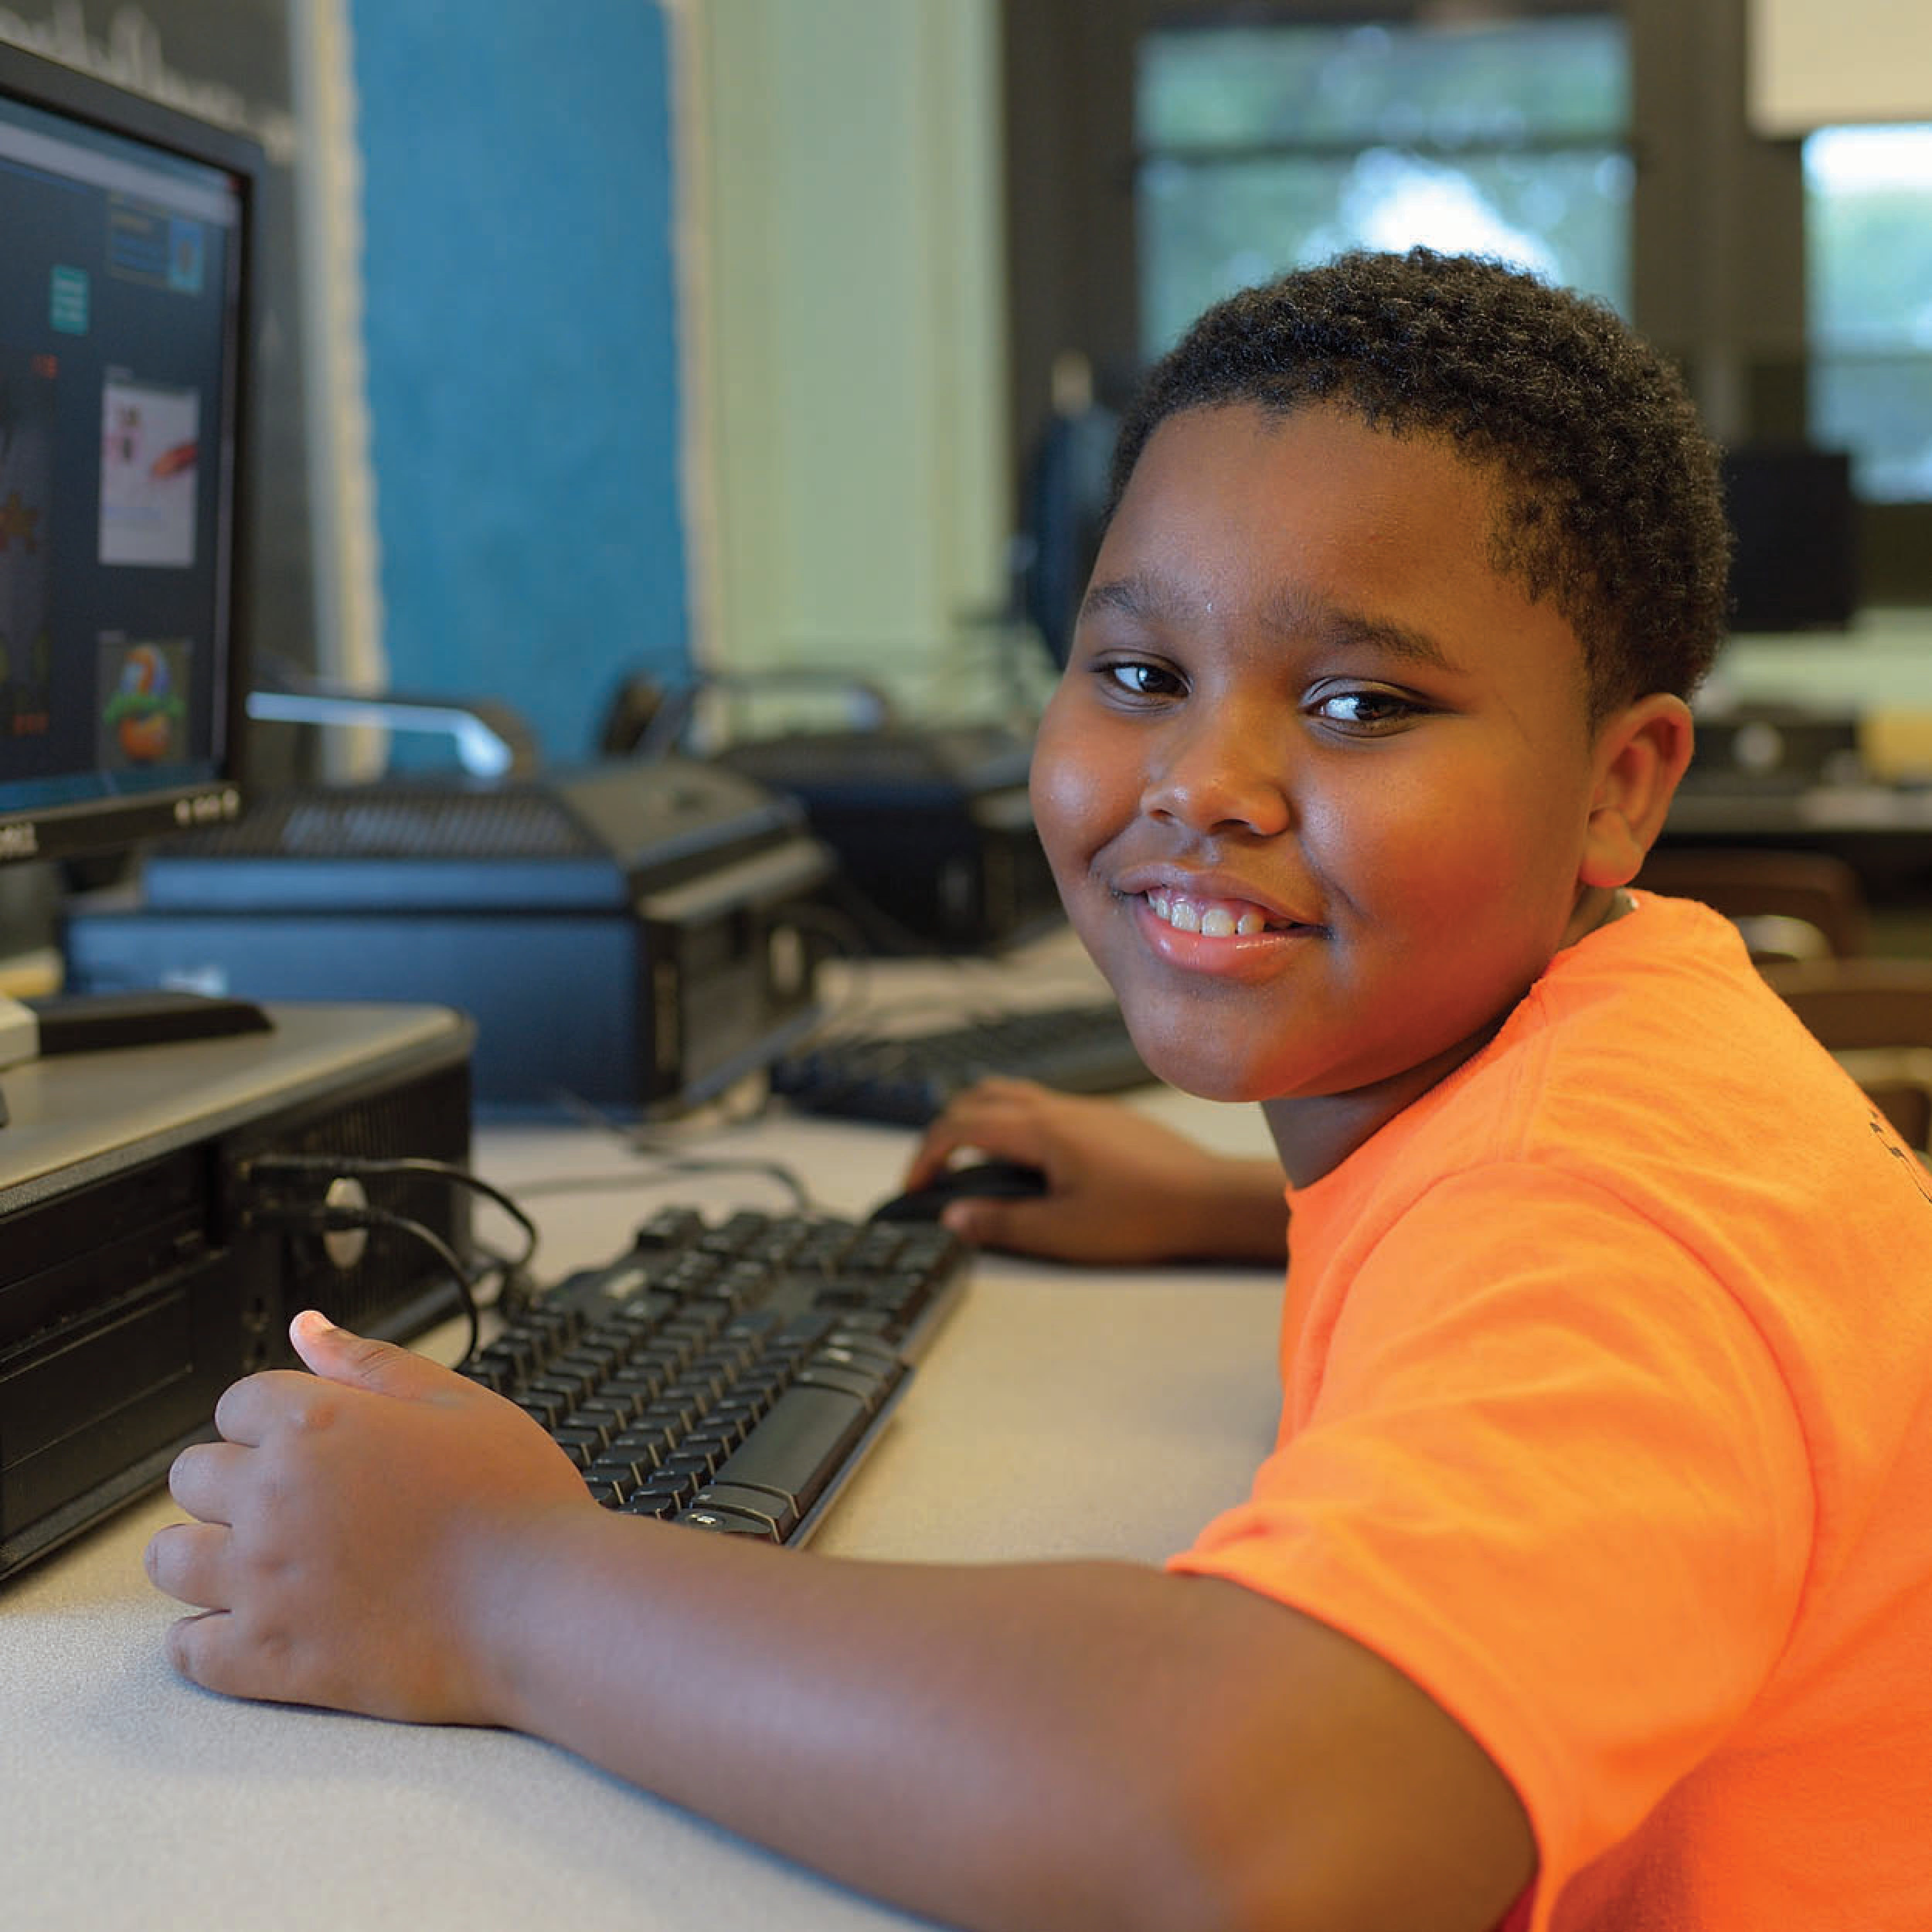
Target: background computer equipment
1794,567
1774,748
154,1251
931,826
911,1077
143,1261
634,936
124,370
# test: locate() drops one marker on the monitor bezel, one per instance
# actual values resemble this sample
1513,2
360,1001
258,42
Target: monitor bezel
112,822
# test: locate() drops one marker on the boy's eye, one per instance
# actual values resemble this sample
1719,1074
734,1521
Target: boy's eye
1138,679
1365,710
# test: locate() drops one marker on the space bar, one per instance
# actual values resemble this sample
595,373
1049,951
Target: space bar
798,1447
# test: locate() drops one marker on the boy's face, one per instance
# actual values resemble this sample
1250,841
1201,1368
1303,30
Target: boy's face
1315,783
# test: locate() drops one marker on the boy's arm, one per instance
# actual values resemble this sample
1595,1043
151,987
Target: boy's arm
1120,1187
1058,1745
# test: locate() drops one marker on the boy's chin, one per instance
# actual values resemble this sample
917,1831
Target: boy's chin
1208,1077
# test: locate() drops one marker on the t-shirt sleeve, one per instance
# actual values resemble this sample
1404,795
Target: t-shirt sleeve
1551,1473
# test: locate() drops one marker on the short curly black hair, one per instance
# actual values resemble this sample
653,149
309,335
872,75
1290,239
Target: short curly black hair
1611,504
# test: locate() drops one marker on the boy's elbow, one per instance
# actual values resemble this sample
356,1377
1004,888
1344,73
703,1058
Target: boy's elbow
1190,1875
1179,1884
1310,1785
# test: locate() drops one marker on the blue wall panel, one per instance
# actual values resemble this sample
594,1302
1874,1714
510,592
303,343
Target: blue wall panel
521,338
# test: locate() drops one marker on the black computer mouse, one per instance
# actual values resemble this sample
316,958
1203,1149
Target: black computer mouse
1008,1180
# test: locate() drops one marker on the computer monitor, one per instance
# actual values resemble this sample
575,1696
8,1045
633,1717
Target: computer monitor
124,267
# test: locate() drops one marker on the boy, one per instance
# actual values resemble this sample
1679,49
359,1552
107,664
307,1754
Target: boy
1589,1584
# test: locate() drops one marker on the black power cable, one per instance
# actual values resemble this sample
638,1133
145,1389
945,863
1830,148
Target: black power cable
328,1217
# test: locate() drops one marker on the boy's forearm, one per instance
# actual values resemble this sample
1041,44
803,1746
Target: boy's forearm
1058,1745
858,1731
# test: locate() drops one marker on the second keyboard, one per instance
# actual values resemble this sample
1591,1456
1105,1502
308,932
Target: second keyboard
1082,1048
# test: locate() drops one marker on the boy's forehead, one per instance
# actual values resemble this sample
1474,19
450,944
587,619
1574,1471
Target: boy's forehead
1318,481
1334,524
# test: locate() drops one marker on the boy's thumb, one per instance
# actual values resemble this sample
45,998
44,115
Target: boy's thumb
338,1356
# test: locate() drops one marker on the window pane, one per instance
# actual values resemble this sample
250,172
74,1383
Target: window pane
1209,228
1868,250
1432,86
1264,147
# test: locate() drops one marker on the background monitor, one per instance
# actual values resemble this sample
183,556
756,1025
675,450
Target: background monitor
1792,512
124,259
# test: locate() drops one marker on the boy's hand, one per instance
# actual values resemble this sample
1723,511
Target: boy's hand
1121,1188
347,1526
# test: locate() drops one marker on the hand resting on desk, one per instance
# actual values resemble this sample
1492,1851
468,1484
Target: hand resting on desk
322,1579
1121,1188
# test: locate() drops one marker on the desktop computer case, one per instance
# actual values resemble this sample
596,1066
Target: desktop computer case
629,937
932,827
143,1268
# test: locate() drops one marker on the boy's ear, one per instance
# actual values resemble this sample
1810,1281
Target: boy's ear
1641,752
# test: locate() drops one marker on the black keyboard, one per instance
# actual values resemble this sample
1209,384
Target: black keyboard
1078,1049
729,1375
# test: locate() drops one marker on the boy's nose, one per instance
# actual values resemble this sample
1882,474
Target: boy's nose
1226,773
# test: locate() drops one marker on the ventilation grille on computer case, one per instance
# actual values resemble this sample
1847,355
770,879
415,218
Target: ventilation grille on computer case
394,822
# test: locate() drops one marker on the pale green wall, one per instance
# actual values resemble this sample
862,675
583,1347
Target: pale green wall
851,492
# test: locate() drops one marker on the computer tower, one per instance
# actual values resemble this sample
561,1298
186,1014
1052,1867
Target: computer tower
932,826
627,937
152,1253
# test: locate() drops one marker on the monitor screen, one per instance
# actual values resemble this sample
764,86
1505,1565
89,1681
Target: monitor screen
123,239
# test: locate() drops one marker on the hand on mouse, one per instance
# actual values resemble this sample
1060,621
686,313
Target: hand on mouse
1120,1187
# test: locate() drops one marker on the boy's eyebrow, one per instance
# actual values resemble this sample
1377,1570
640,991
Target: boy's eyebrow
1294,612
1136,596
1334,626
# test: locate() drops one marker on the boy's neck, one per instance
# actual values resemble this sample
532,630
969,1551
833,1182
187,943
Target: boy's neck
1315,1134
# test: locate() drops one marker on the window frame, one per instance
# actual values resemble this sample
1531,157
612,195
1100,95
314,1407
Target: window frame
1716,252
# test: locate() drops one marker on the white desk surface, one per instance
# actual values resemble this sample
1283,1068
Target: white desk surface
1059,1411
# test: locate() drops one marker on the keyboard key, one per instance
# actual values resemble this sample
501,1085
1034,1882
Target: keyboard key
582,1446
728,1522
766,1505
545,1405
796,1447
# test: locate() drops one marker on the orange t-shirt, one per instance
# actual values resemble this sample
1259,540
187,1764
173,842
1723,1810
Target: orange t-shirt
1607,1369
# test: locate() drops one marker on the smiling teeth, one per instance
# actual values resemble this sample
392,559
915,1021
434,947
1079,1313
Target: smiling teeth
1211,922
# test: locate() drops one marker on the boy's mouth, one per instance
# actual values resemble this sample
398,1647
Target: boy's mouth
1213,918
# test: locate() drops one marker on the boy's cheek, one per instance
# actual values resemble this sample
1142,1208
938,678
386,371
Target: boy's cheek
1071,808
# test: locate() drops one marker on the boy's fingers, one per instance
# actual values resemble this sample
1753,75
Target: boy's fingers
214,1651
245,1408
985,1120
1026,1226
188,1560
362,1362
203,1478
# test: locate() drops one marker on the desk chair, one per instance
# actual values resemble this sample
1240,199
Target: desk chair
1790,906
1876,1017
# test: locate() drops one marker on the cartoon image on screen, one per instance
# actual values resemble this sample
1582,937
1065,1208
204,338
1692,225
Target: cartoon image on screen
26,479
144,708
149,455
